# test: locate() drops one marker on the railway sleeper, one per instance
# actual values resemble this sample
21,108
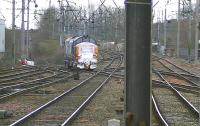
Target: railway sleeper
5,114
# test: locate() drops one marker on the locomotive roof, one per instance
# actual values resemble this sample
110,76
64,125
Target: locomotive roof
76,40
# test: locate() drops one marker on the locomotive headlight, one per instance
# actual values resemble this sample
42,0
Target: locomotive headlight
77,50
94,61
97,51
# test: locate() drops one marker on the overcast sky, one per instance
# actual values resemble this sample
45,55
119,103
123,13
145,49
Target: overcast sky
6,8
171,6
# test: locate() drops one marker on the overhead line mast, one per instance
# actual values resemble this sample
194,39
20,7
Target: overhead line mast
197,30
138,57
23,55
13,31
178,31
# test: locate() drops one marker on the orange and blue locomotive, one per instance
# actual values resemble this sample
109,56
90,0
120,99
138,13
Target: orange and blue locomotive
81,52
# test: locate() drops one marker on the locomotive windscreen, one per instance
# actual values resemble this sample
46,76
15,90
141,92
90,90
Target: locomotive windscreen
83,39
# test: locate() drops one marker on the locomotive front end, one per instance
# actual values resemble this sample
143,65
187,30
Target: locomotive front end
86,55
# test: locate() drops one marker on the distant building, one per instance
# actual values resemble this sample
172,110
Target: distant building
186,45
2,38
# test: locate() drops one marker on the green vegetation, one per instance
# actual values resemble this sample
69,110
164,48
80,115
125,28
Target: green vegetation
105,25
48,51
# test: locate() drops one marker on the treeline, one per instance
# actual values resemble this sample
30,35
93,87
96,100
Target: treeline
105,24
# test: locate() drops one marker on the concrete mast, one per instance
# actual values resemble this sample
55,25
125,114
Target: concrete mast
13,31
196,30
23,55
138,62
178,31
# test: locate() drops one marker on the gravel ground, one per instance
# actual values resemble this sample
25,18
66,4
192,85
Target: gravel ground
58,112
23,104
155,77
107,105
193,98
154,119
158,66
172,79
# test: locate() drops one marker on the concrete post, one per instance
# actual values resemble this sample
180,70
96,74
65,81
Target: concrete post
138,56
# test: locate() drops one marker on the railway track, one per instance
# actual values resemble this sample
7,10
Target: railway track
32,98
185,76
180,68
186,88
174,112
15,70
171,67
175,94
157,116
182,108
14,90
160,66
75,98
191,67
12,72
28,75
40,73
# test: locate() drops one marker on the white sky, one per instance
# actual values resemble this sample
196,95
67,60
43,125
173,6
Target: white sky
6,8
172,9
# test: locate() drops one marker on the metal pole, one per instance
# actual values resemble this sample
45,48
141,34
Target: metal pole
189,32
61,23
158,30
104,29
49,3
27,31
93,30
84,23
178,30
165,28
89,30
23,31
116,27
13,30
53,27
68,21
138,56
196,30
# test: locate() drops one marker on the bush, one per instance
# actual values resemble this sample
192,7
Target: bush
48,51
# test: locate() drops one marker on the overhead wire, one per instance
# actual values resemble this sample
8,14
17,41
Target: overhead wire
116,6
78,16
2,15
